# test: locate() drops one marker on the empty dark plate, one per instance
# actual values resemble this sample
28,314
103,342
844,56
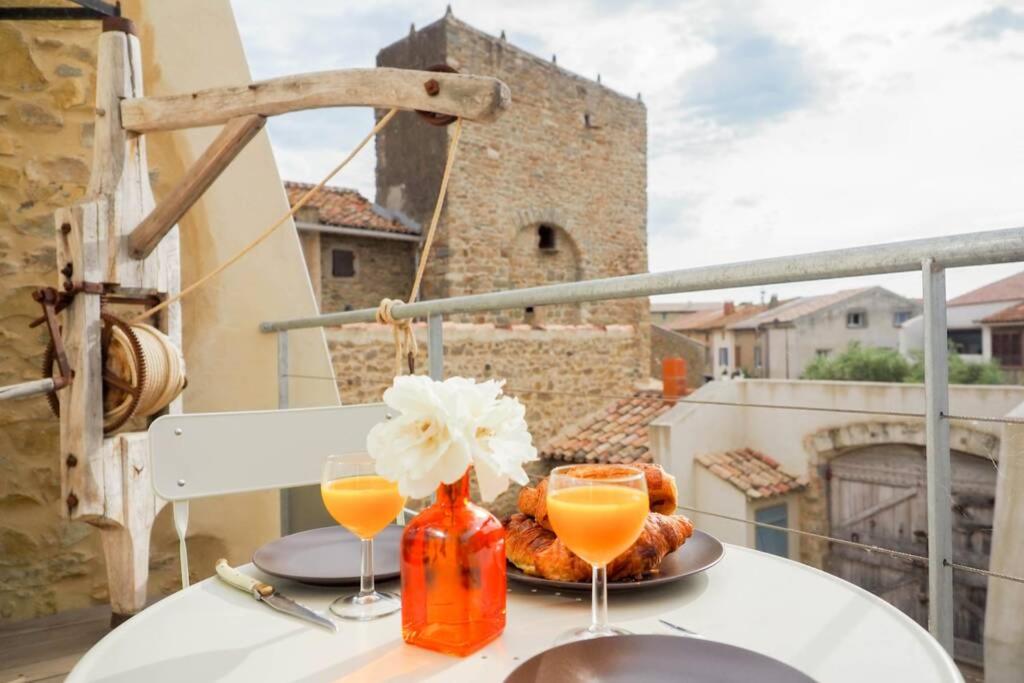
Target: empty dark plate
701,551
653,658
329,556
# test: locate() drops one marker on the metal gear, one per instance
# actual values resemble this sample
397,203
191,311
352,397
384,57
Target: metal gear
110,380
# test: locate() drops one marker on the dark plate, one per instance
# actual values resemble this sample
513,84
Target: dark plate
653,658
329,556
701,551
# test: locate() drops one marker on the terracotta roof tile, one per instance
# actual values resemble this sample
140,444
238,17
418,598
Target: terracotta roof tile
617,433
712,320
1008,289
347,208
797,308
1013,314
752,472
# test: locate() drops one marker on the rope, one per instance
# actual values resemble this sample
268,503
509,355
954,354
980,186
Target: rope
269,231
405,341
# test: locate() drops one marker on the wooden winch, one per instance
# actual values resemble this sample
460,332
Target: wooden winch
107,372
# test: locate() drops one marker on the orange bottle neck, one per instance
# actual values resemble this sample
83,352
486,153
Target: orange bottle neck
456,493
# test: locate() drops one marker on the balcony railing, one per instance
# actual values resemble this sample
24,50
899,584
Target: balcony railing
931,256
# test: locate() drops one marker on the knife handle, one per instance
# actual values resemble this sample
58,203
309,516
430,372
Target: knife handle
241,581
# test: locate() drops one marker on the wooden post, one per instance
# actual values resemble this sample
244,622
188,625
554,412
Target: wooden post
232,139
107,482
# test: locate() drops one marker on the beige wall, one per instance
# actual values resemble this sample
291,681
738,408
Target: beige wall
800,440
47,84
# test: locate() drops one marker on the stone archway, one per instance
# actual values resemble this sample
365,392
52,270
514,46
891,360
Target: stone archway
868,484
826,444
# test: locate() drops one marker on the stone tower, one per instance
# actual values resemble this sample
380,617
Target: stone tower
554,191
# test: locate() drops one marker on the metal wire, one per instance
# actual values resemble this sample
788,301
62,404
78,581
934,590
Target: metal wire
772,406
909,557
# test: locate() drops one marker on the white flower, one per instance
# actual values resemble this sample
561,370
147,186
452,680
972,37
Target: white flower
443,427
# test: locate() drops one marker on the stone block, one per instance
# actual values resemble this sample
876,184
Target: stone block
18,70
33,116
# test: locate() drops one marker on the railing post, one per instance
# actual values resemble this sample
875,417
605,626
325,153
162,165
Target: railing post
936,386
435,346
282,403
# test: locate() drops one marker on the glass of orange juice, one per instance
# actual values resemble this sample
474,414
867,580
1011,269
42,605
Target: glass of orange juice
598,516
364,503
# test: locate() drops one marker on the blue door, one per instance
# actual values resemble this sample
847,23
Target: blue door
770,540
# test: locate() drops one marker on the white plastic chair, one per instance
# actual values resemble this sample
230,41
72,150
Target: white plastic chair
212,454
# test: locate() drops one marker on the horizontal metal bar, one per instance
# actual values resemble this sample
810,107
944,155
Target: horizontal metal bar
357,232
971,249
50,14
35,387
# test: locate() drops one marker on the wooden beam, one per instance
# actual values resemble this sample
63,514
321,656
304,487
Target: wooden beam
235,135
476,98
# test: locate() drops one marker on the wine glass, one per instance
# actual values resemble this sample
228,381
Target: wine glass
364,503
598,513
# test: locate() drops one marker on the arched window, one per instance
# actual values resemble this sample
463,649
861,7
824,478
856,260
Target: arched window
546,237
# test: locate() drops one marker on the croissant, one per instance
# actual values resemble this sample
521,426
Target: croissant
538,552
661,489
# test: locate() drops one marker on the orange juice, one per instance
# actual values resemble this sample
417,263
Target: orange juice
598,522
363,505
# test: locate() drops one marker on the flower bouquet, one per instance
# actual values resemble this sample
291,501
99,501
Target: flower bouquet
453,552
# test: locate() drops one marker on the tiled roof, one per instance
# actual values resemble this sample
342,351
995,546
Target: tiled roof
685,306
1013,314
343,207
798,308
616,434
752,472
1008,289
712,320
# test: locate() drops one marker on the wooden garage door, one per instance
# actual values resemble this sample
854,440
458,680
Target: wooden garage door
877,496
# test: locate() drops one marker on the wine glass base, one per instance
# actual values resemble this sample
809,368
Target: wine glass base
590,632
366,607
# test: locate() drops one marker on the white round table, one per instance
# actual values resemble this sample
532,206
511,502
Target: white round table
826,627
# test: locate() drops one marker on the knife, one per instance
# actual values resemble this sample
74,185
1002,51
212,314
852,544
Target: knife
266,593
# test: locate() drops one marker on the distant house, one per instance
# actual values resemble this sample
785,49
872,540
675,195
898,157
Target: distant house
355,250
728,350
670,314
983,324
789,337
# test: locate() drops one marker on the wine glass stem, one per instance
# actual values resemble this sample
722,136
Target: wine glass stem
366,574
599,604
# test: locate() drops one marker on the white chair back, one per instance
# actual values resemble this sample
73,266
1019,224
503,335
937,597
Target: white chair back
211,454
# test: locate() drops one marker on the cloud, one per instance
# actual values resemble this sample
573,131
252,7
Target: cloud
753,77
993,24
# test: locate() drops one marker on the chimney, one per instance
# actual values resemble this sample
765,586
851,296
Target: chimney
774,301
728,308
673,378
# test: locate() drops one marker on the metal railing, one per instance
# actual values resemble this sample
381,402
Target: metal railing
931,256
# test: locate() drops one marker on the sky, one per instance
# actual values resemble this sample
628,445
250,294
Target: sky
774,127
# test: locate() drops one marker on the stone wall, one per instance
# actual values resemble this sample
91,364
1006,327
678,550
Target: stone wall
383,268
561,373
669,344
570,153
47,81
570,362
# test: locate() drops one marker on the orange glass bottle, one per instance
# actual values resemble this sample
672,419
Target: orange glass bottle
453,574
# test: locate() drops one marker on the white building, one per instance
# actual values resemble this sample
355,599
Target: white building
790,336
982,324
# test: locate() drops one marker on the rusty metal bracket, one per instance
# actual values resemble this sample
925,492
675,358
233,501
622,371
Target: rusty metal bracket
433,88
49,298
